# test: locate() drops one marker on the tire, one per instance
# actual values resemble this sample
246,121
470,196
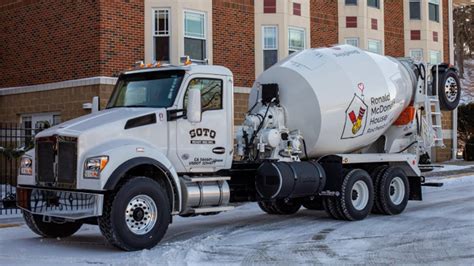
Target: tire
449,90
266,207
315,204
51,229
357,195
331,208
376,175
392,191
139,230
280,207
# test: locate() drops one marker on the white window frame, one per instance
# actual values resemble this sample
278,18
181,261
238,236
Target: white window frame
204,24
205,39
439,59
437,3
346,4
154,31
347,40
168,15
275,27
379,2
377,41
289,40
416,50
409,10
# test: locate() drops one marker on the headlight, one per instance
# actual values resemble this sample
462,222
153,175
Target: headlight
93,166
26,166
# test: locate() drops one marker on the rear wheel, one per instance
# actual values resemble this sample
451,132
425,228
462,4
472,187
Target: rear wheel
50,229
330,205
314,204
280,206
357,195
376,175
392,191
137,215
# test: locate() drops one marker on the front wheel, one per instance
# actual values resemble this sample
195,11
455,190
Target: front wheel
50,229
137,215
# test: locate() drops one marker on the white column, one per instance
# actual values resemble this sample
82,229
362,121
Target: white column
451,61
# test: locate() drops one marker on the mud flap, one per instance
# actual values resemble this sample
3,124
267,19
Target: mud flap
415,188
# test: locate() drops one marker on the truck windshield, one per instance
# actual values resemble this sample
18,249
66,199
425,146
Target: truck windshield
148,89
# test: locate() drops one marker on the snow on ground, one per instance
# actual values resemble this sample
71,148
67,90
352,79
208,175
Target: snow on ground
451,167
439,229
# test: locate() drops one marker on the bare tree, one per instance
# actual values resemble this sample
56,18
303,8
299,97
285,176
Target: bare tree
463,34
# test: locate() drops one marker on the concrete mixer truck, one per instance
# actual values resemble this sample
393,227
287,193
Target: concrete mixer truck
337,129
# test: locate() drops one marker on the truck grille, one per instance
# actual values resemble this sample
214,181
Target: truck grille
56,161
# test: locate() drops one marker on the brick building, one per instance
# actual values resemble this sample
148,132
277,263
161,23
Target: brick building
56,55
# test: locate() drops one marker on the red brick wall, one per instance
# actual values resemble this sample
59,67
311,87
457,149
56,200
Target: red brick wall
53,40
394,28
233,38
121,34
324,23
49,40
445,11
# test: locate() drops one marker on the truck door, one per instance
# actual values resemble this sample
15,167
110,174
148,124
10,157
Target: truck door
204,146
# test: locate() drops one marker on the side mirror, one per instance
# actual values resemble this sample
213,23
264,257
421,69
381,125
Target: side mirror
193,112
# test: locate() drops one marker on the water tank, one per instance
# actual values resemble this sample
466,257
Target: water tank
341,98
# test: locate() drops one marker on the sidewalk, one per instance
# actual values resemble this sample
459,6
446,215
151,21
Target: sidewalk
452,168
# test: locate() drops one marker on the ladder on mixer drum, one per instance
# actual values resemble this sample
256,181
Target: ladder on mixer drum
432,118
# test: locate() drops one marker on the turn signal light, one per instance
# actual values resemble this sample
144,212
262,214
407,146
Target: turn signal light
406,116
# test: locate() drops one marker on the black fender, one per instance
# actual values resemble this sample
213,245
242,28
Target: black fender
120,172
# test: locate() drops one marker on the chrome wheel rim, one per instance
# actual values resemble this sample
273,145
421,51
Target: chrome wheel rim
397,190
451,89
141,214
360,195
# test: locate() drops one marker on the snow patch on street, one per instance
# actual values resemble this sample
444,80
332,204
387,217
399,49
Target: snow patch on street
439,229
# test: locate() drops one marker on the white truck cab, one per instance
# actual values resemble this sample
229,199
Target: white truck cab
164,146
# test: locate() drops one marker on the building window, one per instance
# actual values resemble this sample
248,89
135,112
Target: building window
375,46
297,9
416,54
435,57
373,23
351,2
351,22
270,46
56,120
296,39
373,3
195,35
415,35
33,123
269,6
161,34
433,7
352,41
435,36
415,9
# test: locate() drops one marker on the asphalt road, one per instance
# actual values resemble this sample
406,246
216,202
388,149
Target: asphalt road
439,229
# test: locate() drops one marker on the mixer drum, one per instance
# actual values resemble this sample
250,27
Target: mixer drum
340,98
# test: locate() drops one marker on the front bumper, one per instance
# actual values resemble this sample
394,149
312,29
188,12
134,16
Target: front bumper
60,203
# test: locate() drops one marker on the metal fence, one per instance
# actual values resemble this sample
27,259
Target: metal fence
15,140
